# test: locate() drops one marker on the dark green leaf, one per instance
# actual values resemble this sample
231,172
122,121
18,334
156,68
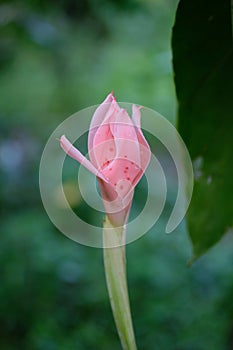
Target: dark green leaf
203,66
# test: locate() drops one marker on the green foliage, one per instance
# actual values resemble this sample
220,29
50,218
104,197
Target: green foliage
203,65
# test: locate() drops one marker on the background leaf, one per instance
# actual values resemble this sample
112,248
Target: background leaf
203,66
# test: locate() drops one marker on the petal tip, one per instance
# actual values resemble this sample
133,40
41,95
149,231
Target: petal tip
109,98
62,138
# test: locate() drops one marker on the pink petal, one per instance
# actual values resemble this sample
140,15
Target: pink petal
123,188
145,151
104,149
118,208
97,120
122,126
136,116
108,192
77,155
121,169
125,136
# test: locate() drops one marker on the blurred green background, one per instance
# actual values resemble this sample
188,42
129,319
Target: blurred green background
57,58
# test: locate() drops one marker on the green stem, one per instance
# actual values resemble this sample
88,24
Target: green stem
115,272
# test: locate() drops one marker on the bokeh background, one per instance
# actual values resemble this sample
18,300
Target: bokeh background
57,58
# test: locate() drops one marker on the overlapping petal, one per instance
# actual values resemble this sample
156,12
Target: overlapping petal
119,155
98,119
77,155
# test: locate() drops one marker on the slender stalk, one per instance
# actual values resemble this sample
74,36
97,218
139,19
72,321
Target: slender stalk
115,272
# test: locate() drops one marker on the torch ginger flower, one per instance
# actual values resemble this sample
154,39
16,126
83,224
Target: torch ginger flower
119,155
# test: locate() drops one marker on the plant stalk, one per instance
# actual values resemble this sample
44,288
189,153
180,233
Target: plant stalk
115,272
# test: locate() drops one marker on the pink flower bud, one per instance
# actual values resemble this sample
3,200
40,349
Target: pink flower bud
119,155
